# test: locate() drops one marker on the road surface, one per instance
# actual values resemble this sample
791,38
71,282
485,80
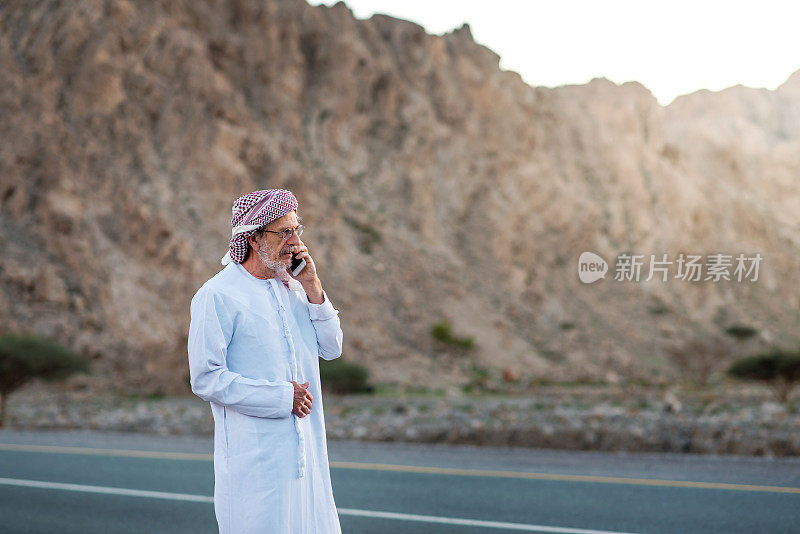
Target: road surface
92,482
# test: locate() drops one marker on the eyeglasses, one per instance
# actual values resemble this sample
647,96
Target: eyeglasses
286,234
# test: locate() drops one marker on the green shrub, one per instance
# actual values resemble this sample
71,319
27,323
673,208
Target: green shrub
780,368
340,376
479,376
24,357
443,333
741,331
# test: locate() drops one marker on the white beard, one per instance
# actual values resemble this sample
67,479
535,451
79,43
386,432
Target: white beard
276,266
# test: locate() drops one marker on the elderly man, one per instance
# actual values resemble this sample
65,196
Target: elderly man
255,336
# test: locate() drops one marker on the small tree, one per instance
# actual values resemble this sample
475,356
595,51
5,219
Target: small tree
24,357
780,368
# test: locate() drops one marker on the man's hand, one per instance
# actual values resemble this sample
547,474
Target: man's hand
309,272
301,405
308,276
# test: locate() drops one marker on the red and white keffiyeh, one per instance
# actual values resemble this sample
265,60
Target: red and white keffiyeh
252,211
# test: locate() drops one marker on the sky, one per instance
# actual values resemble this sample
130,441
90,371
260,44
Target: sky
672,48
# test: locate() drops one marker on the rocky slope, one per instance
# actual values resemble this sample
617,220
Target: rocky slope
434,187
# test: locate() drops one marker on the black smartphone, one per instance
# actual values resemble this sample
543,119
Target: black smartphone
297,264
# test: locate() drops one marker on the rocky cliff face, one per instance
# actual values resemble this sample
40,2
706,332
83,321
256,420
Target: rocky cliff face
434,186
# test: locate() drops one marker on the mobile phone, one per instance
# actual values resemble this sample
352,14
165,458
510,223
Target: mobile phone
297,264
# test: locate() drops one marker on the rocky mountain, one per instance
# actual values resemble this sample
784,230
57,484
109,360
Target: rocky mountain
434,187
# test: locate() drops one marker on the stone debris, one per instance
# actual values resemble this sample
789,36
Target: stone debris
765,429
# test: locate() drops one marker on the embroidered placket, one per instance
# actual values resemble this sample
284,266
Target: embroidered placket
287,334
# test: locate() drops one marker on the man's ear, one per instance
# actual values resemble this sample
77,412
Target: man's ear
251,240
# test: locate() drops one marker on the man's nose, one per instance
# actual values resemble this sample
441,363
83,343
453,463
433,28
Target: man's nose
294,239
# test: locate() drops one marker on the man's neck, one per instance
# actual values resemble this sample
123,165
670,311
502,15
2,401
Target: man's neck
257,268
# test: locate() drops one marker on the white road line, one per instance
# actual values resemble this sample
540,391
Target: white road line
105,489
342,511
472,522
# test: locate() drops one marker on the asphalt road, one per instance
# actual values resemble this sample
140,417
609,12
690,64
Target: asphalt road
91,482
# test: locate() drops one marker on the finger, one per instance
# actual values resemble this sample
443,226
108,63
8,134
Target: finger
306,384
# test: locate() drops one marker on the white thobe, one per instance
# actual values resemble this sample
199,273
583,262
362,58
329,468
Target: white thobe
248,338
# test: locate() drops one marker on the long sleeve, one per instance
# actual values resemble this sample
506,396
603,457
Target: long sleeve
210,332
325,319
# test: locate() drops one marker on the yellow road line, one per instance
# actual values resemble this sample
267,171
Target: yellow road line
559,477
106,452
415,469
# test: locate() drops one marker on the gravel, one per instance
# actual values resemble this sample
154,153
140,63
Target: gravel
555,421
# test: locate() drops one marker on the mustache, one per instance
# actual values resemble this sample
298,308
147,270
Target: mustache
290,248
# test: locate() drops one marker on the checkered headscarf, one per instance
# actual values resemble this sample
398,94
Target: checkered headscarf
252,211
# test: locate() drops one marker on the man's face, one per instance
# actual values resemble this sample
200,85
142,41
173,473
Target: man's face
274,251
